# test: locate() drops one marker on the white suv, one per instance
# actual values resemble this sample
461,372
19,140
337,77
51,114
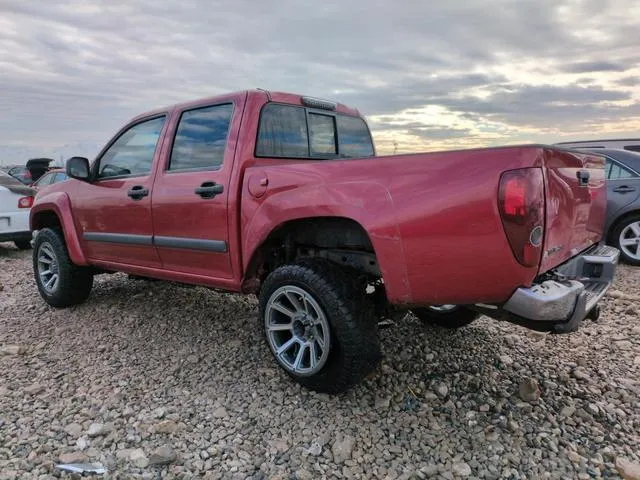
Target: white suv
15,204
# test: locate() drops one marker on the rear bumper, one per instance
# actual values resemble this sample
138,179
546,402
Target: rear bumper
13,236
14,226
560,305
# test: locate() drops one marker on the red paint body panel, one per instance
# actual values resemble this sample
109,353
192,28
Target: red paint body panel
178,212
432,218
104,207
575,215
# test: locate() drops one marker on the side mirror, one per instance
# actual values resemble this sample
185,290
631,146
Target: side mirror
78,168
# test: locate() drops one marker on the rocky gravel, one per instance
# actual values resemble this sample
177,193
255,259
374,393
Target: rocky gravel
156,380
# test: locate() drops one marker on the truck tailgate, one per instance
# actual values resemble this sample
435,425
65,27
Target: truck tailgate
575,208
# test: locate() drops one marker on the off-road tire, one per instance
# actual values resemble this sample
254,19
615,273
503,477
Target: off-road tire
458,318
74,282
355,346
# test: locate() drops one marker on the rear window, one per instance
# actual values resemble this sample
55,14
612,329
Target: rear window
322,134
296,132
283,132
355,140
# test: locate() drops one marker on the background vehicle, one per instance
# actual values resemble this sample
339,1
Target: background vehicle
15,203
22,174
631,144
282,195
622,225
32,171
54,175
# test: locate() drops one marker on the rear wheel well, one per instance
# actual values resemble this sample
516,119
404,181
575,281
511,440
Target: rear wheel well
46,219
340,240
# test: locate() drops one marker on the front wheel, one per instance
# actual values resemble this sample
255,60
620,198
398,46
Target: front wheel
446,316
60,282
626,237
318,326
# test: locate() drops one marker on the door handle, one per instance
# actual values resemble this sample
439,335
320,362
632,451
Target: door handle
209,189
138,192
624,189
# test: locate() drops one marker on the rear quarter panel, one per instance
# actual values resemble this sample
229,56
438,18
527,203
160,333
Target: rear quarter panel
432,218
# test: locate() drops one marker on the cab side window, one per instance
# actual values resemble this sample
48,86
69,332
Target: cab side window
132,153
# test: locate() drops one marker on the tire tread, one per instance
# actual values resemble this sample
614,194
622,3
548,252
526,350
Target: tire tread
75,282
350,316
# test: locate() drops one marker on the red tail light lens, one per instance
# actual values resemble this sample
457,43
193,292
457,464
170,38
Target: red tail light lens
25,202
521,205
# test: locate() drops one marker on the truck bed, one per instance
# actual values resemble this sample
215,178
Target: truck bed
431,216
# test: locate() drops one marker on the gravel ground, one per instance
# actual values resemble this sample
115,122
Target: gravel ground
156,380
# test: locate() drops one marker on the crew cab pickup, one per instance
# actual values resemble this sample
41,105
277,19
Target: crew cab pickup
283,196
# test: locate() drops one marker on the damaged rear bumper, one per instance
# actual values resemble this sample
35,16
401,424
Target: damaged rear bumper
560,305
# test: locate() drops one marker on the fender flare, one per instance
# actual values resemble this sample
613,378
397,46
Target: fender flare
59,204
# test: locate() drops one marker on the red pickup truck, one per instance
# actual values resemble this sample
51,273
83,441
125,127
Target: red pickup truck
283,196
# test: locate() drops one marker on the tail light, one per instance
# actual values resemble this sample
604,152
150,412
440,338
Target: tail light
521,205
25,202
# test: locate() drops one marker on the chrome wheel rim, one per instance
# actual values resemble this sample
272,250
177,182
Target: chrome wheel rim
443,308
297,331
48,268
630,240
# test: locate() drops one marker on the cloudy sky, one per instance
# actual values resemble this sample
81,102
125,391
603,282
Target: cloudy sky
428,75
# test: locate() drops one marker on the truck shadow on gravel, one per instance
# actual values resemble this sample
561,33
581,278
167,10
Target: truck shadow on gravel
195,322
7,250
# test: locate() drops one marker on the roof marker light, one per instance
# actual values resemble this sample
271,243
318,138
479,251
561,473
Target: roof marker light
319,103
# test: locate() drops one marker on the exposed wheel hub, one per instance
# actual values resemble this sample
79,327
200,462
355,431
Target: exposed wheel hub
303,327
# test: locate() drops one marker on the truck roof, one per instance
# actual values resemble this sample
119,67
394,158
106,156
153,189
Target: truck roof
280,97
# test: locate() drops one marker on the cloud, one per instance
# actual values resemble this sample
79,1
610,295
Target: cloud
74,71
631,81
595,66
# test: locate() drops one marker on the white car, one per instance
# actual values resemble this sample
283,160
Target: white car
15,204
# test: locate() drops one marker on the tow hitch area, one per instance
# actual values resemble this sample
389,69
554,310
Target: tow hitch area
560,305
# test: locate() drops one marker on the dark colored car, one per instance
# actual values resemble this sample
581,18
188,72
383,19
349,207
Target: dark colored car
32,171
622,225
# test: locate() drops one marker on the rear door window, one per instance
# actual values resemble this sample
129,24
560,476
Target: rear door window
201,138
